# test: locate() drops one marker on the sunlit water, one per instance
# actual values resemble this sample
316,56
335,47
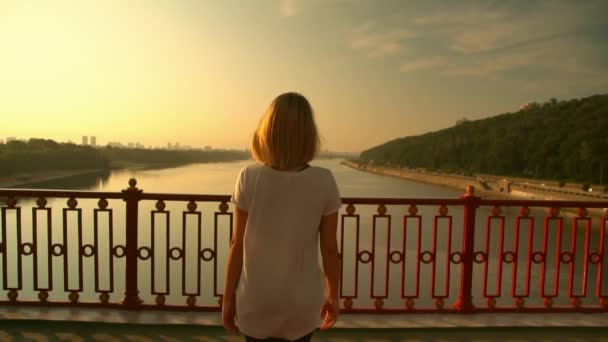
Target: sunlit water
219,178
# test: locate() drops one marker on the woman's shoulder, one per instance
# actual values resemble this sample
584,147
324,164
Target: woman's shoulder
256,167
321,171
248,172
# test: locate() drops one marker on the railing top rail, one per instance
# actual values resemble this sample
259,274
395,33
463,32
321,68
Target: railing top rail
184,197
10,192
417,201
345,200
6,192
544,203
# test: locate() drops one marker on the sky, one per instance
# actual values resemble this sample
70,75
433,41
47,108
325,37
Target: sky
203,72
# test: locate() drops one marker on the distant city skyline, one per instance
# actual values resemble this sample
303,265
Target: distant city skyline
203,72
168,146
92,141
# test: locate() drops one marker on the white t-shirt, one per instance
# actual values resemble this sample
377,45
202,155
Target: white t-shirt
281,289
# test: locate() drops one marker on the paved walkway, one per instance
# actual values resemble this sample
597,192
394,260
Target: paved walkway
42,331
76,325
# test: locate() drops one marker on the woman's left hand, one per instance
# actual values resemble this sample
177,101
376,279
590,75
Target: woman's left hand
229,315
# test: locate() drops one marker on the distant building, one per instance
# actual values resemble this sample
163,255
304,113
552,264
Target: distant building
208,148
85,140
138,145
130,145
175,146
93,141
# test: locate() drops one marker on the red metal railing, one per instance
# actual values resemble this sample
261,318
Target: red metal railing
422,261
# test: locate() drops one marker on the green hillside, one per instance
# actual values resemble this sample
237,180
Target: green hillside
562,140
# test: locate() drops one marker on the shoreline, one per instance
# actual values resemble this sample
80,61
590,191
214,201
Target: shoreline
25,178
483,188
448,181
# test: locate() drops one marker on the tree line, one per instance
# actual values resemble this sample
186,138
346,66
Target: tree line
561,140
174,157
44,154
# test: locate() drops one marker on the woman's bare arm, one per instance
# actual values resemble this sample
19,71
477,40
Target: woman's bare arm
233,271
235,255
331,267
329,252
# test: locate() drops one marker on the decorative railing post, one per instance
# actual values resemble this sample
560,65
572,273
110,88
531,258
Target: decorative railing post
132,196
464,304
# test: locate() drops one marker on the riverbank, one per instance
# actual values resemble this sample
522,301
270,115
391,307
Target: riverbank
492,189
121,165
451,181
25,178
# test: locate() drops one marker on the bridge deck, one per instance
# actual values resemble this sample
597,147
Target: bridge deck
117,332
33,324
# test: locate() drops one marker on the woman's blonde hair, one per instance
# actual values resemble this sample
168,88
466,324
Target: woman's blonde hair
286,137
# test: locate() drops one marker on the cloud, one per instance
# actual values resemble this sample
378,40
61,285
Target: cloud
524,42
563,57
379,42
461,16
492,41
423,64
484,67
288,8
479,29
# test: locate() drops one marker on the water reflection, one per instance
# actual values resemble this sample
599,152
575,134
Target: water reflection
89,181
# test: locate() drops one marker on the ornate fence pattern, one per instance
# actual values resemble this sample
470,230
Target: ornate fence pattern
438,255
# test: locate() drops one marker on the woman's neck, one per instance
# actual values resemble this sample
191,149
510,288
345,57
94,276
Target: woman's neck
295,169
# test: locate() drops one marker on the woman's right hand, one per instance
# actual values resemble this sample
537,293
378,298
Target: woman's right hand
329,313
229,314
